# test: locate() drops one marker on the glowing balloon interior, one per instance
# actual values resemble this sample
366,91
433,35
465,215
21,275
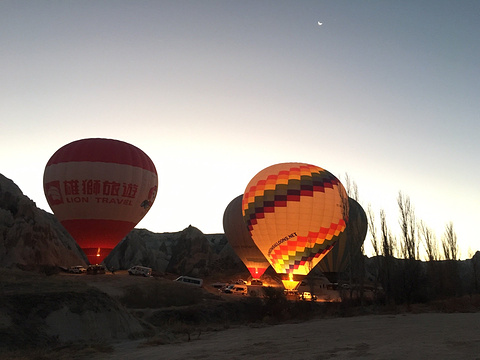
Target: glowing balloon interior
239,238
99,189
295,213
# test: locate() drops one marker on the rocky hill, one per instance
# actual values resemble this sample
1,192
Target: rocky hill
188,252
31,238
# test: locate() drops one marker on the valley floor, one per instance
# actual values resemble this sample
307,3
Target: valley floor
402,336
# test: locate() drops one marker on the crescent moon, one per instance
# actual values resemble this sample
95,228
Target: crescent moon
320,23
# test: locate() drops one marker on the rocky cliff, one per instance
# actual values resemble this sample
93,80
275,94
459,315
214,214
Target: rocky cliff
30,237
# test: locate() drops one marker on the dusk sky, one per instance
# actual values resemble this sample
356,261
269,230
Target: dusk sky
214,91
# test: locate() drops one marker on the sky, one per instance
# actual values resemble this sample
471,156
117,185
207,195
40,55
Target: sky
386,92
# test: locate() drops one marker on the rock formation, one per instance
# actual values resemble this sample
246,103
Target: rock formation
30,237
187,252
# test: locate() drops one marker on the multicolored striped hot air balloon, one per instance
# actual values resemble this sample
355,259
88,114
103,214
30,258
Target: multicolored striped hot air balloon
99,189
349,244
295,213
239,238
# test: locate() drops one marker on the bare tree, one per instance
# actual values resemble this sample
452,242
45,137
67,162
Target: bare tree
388,249
411,272
409,246
429,242
375,241
373,231
449,243
351,188
435,279
388,241
451,284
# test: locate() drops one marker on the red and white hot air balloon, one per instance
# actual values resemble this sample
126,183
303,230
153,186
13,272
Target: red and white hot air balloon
99,189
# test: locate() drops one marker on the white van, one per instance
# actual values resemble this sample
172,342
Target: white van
140,270
190,280
237,289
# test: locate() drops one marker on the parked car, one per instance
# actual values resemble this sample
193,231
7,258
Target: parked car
190,280
78,269
224,287
256,282
241,282
140,270
237,289
307,296
95,269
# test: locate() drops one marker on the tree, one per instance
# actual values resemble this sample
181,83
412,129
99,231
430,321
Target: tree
429,242
409,246
451,283
388,249
411,271
356,259
351,188
387,240
449,243
375,241
434,268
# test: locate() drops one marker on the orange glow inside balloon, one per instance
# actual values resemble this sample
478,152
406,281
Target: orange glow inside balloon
295,213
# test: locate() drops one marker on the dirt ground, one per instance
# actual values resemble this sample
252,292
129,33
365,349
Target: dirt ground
400,336
405,336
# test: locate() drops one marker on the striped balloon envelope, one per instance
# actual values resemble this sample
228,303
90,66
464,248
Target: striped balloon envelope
239,238
99,189
295,213
348,246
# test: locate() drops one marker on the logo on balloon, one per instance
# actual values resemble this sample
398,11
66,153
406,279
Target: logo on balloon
54,195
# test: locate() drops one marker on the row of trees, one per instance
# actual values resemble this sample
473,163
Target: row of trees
412,235
397,266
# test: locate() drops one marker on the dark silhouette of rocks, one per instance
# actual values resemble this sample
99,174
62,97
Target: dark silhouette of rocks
30,237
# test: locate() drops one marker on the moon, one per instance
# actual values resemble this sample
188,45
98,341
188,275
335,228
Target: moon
320,23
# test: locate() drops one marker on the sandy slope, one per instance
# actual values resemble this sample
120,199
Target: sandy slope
412,336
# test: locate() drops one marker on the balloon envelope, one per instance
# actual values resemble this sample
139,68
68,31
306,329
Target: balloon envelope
239,238
99,189
295,213
348,245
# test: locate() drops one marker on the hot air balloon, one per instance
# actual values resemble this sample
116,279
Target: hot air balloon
239,238
295,213
349,244
99,189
